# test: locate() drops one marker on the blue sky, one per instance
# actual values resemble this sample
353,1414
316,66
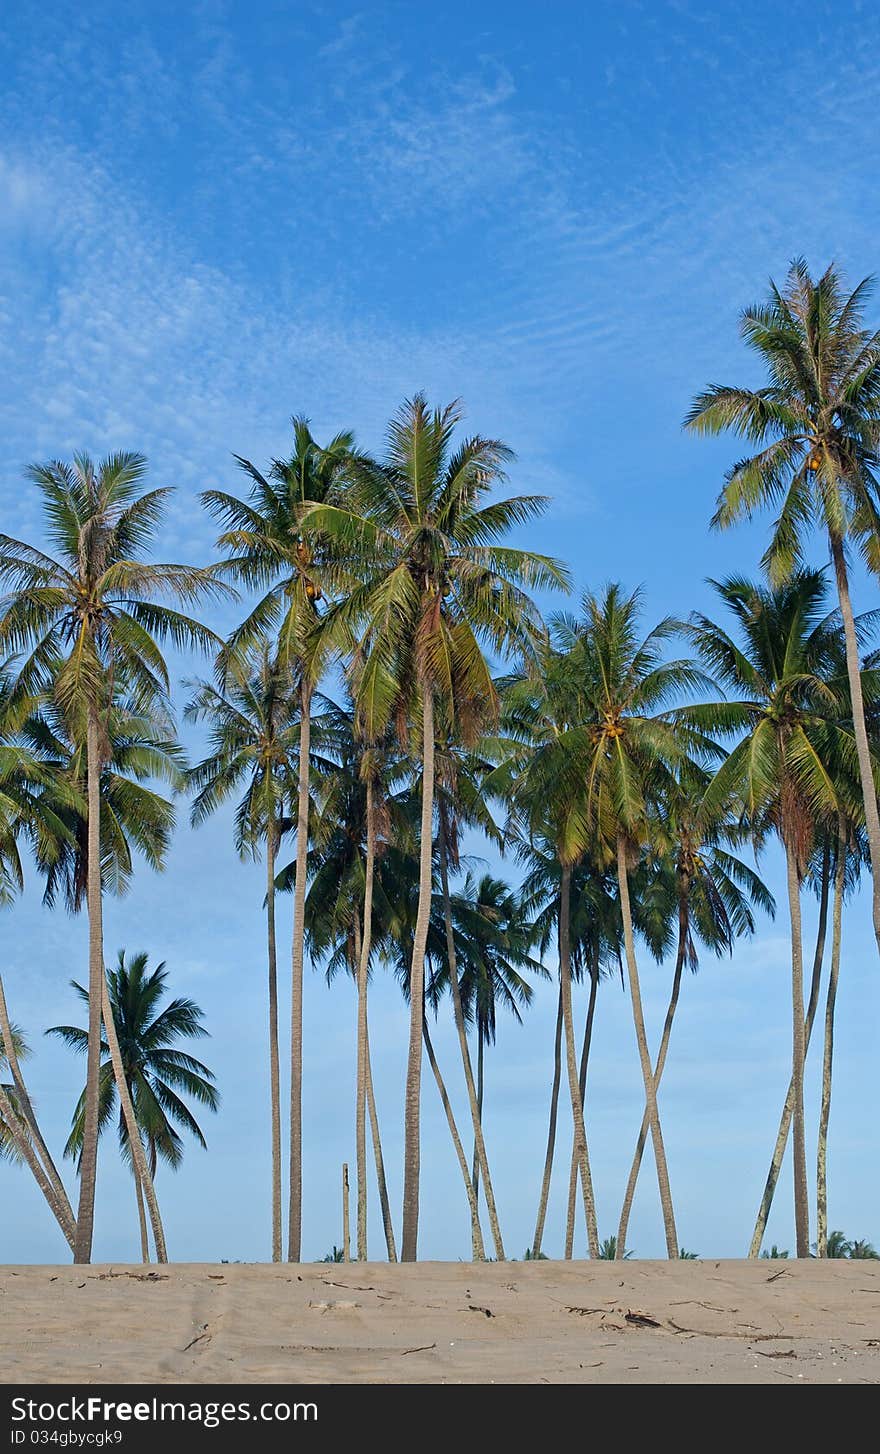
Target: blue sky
214,216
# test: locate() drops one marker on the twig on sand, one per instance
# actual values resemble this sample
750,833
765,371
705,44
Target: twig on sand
781,1273
425,1348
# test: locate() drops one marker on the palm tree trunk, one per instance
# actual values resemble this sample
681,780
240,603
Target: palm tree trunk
577,1110
384,1202
136,1146
785,1118
653,1112
24,1099
828,1049
582,1083
85,1217
866,772
411,1144
551,1129
481,1161
801,1204
476,1231
274,1056
142,1220
294,1217
475,1159
623,1225
362,974
18,1130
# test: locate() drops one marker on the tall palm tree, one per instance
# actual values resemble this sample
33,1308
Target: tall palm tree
274,550
702,888
540,778
627,750
817,422
155,1070
785,712
436,587
13,1125
253,745
140,747
83,620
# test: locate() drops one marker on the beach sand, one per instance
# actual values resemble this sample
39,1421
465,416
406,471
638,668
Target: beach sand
542,1322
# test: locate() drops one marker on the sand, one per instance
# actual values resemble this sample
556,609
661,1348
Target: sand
544,1322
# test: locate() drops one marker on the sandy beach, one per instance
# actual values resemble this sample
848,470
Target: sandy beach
546,1322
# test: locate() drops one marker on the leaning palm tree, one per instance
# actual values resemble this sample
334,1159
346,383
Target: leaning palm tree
156,1070
817,422
253,747
436,588
83,620
273,550
787,716
13,1125
699,885
628,751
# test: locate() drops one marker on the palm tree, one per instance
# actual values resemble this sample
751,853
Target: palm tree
492,944
702,888
538,778
595,935
155,1070
253,744
608,1251
817,422
460,803
358,816
786,715
435,587
627,751
83,621
275,551
13,1125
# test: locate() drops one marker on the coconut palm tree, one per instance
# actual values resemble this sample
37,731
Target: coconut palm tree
13,1125
493,943
789,720
271,549
361,821
817,422
156,1071
595,935
627,751
436,588
538,779
83,620
253,746
461,803
705,890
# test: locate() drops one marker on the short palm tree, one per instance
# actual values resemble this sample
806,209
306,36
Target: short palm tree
271,549
436,588
252,750
817,422
156,1071
83,621
787,717
493,950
